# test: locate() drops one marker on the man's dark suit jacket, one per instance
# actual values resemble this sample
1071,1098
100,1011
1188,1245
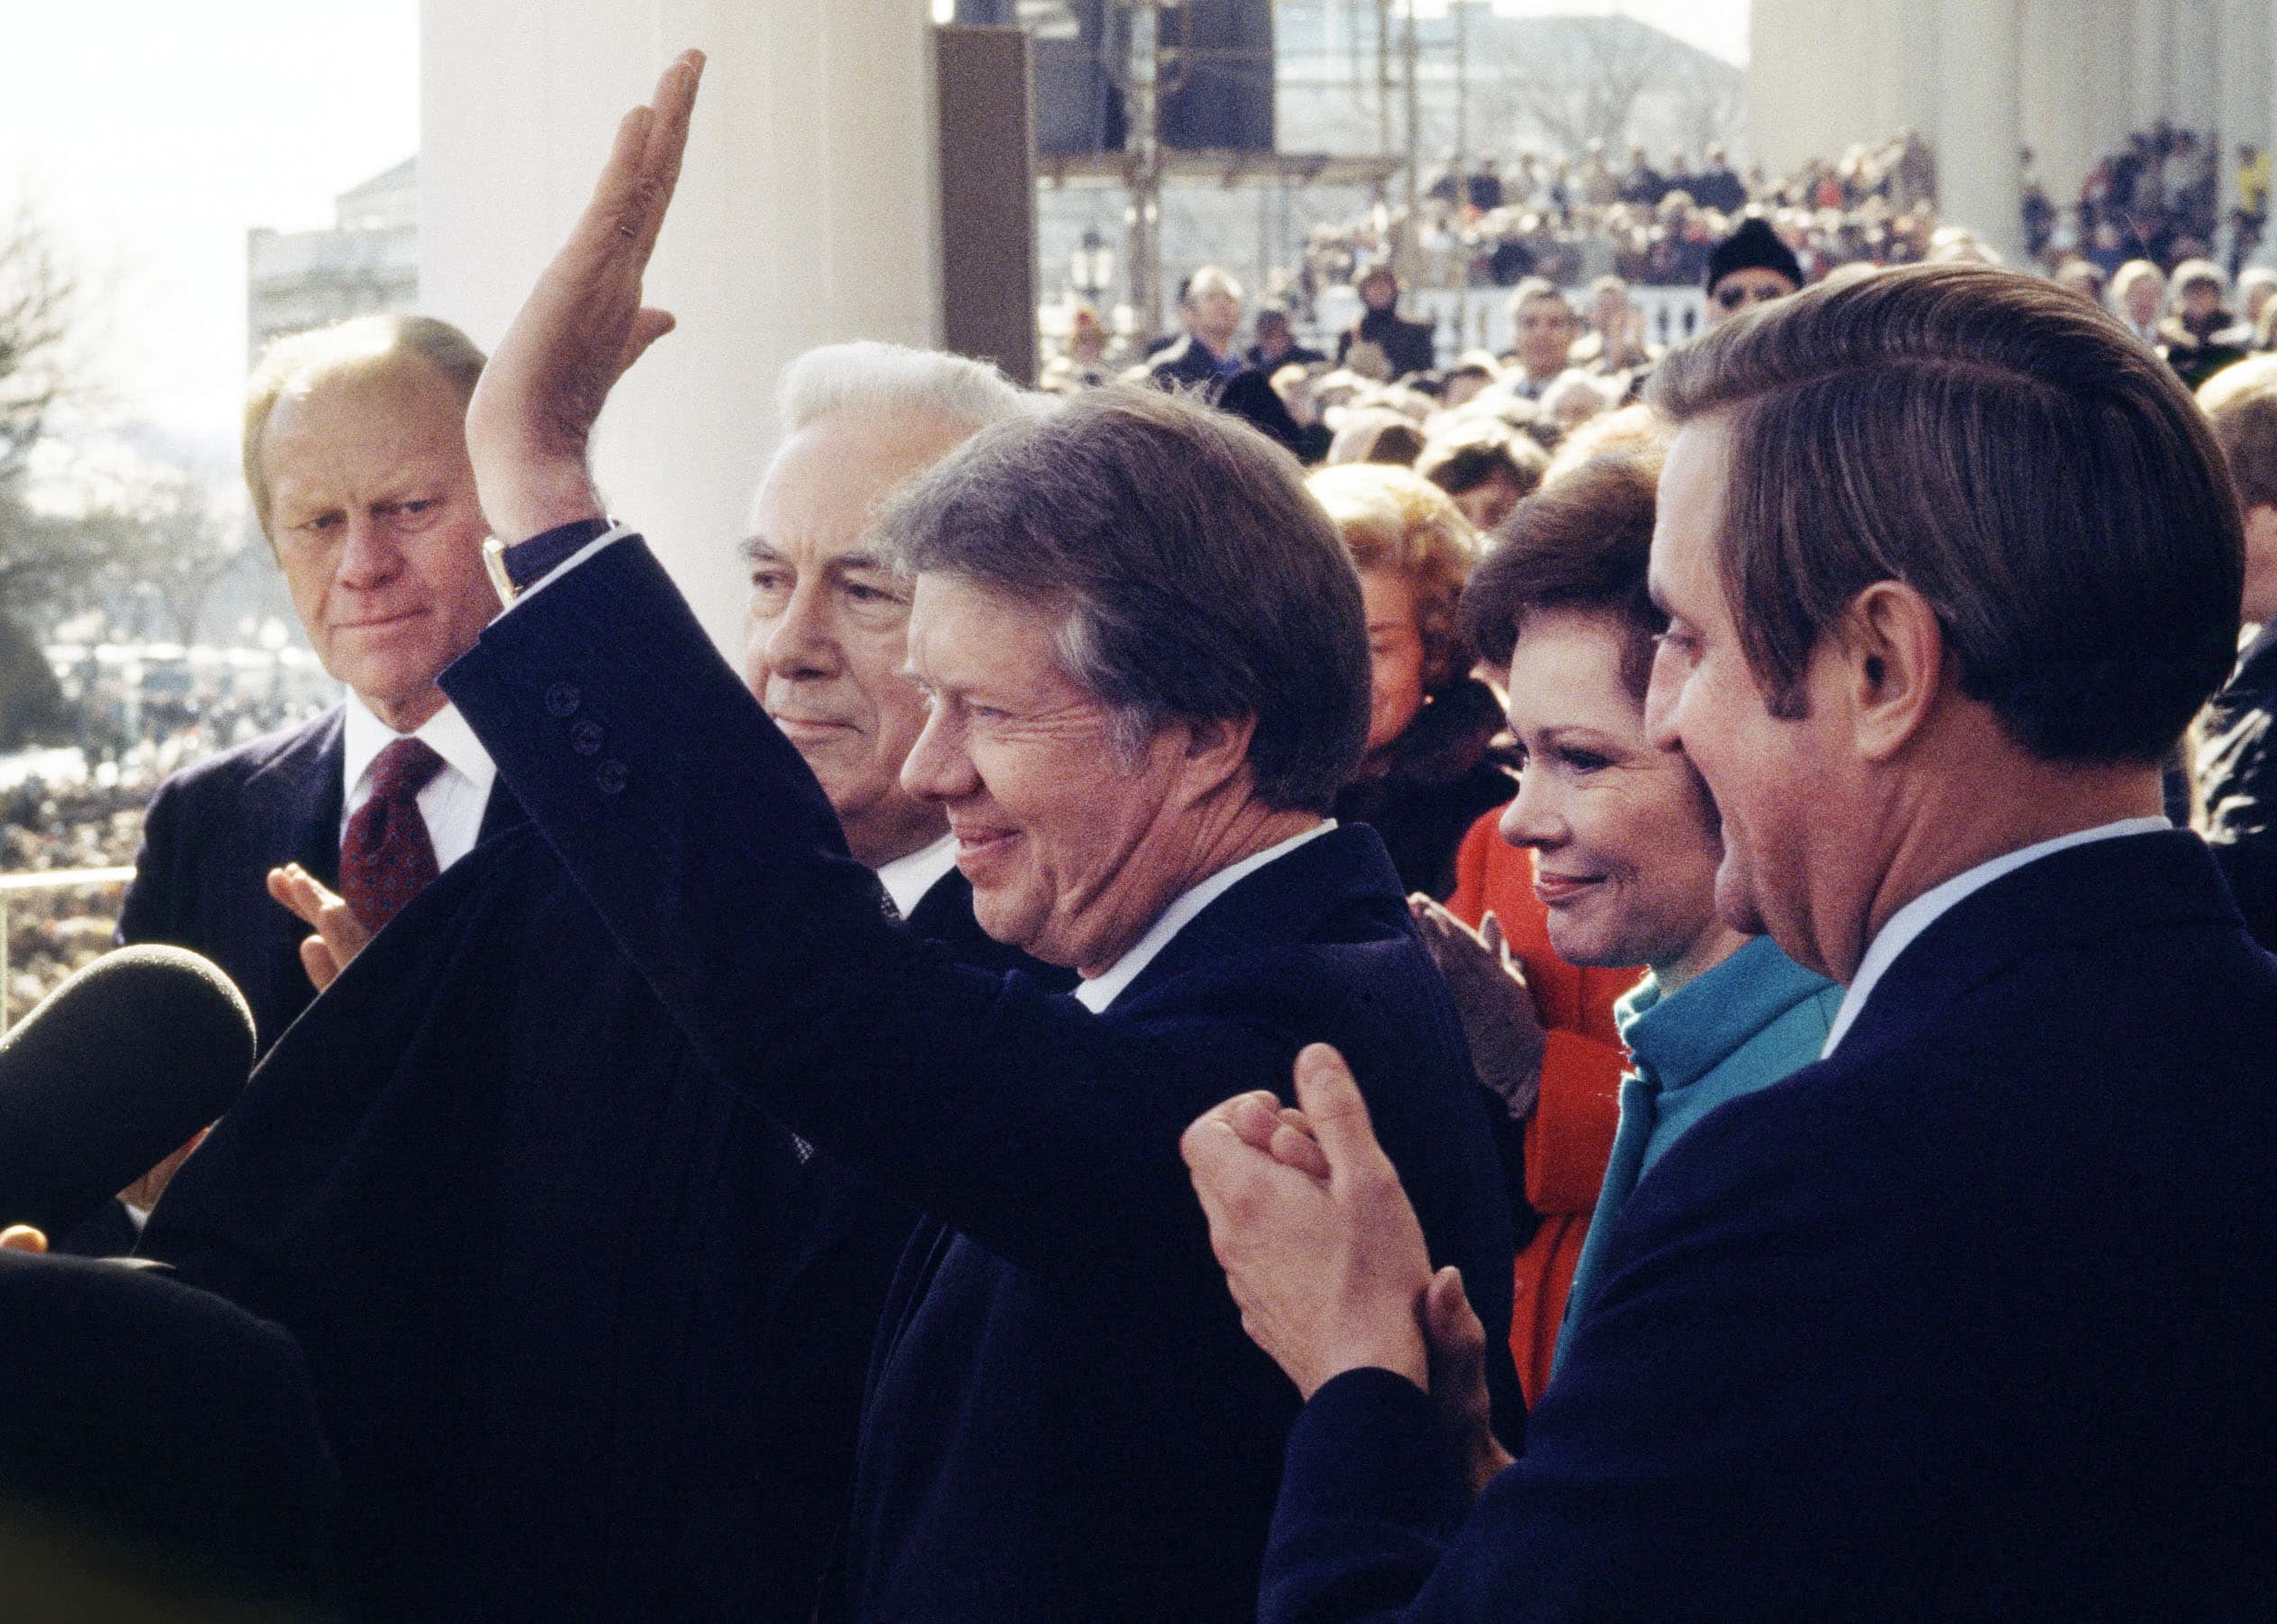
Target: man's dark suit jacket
2237,780
1065,1421
214,832
1972,1320
157,1436
587,1329
1187,362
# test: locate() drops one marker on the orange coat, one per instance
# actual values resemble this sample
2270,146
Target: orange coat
1571,1133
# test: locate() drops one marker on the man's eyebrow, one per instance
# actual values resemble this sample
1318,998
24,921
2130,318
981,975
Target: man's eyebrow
753,548
858,561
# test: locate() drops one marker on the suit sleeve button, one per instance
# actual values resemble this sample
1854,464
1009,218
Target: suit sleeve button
562,698
610,777
585,737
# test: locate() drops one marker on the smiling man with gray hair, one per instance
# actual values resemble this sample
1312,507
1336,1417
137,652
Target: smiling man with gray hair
1143,654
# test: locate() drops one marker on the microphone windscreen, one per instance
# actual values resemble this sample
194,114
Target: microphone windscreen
111,1074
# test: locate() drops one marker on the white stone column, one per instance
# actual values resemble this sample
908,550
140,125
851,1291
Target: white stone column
1981,122
2057,62
2154,61
2242,54
807,212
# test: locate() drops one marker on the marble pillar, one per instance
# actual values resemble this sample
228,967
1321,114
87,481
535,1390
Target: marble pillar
806,213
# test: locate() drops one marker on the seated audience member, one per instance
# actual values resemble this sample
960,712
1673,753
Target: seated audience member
1408,347
1204,362
1572,400
2084,277
356,461
1958,244
1209,303
160,1455
1748,267
1145,659
1376,434
2201,335
2137,296
1486,467
1084,367
1545,328
1615,347
1633,429
1431,763
2256,289
1947,565
1624,842
1295,386
1467,379
589,1334
1276,346
2237,767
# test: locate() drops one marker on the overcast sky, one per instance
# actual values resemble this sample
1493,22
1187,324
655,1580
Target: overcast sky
149,135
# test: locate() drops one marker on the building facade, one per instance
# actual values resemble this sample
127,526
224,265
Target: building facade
1984,79
366,264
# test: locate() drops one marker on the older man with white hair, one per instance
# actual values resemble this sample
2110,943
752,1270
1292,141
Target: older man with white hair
1145,663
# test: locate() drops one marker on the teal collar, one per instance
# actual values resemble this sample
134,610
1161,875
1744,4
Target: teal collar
1678,1039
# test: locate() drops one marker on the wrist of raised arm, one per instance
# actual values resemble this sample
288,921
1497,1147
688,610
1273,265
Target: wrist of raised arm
538,497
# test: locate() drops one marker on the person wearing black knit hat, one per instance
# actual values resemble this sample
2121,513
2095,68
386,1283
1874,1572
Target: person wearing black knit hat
1750,266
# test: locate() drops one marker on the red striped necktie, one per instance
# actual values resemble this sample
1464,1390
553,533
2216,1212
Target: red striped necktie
387,858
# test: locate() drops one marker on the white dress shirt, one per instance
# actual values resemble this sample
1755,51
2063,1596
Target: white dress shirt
908,878
1099,991
452,803
1917,916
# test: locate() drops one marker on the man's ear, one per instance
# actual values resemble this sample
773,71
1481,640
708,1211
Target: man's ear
1891,651
1217,750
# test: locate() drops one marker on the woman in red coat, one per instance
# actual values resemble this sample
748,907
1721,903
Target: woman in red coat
1570,1133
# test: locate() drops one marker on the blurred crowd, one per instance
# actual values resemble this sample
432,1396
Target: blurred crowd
82,808
2157,198
1572,221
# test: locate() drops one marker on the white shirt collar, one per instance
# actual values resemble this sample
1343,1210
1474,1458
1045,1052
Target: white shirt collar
445,733
1917,916
1102,990
908,878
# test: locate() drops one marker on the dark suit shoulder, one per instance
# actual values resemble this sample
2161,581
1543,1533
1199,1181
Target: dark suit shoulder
944,915
163,1422
297,752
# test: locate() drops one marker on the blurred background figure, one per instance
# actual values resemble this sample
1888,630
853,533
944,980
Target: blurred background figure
1545,328
1750,266
1433,762
1275,343
2200,334
2139,294
1486,466
1407,346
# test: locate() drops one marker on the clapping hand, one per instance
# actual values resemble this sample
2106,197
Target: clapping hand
1498,1016
1320,1249
1324,1254
530,423
339,936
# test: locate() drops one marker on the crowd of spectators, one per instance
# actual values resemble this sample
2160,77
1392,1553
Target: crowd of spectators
2157,198
1572,221
82,808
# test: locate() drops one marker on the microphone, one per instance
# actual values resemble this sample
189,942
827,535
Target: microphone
111,1074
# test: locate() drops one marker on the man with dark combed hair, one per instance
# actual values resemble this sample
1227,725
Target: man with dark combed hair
1972,1318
